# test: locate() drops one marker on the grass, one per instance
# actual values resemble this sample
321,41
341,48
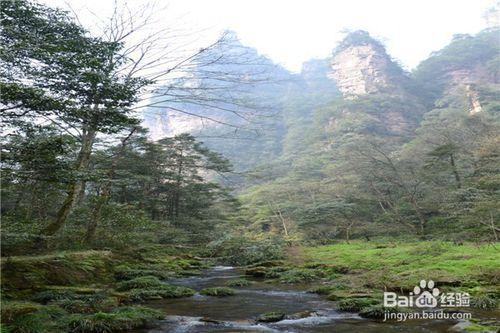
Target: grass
402,265
218,291
85,291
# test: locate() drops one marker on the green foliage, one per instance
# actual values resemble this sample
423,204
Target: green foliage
245,251
355,304
218,291
484,301
120,319
377,312
158,292
298,275
139,282
238,283
271,317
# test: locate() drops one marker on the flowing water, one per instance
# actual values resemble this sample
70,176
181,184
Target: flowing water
237,313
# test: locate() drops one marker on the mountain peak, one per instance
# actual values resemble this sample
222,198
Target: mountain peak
361,65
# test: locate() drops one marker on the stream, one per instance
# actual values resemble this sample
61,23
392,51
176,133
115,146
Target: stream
237,313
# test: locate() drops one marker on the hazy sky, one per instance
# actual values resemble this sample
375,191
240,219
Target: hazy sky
293,31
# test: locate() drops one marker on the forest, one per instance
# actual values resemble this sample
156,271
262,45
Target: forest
146,188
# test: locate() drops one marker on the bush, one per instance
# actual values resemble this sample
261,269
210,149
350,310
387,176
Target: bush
217,291
244,251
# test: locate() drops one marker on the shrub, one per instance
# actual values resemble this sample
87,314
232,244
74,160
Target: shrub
245,251
217,291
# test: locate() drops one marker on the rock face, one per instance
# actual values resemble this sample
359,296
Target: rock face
168,124
360,70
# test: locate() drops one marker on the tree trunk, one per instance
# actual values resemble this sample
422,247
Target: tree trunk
105,192
455,171
82,163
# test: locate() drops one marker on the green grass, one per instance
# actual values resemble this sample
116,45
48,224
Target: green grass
404,264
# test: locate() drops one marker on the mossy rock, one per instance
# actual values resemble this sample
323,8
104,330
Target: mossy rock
120,319
47,319
14,309
88,304
148,281
256,271
484,301
65,268
159,292
126,273
51,295
299,275
377,311
271,317
355,304
218,291
238,283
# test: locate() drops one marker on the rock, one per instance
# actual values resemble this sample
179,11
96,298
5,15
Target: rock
361,66
303,314
271,317
210,320
256,271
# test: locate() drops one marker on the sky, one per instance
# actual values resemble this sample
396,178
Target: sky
293,31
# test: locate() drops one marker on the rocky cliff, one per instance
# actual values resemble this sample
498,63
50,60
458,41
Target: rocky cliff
360,66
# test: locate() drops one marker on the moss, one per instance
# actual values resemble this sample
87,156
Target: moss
398,265
483,301
238,283
120,319
218,291
271,317
376,312
299,275
124,272
355,304
64,268
47,319
88,304
140,282
14,309
159,292
47,296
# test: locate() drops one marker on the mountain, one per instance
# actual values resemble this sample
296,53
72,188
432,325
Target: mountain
354,146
